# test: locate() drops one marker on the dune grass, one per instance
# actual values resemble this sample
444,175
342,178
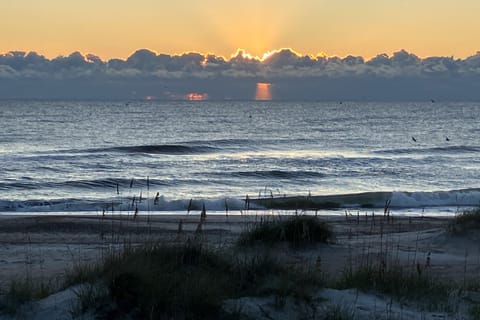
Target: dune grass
298,231
156,281
474,312
188,281
403,283
465,222
22,291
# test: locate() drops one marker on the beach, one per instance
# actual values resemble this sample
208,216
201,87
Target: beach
82,180
46,246
43,248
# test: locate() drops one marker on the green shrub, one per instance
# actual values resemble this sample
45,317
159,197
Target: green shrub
188,281
298,231
178,281
410,285
465,222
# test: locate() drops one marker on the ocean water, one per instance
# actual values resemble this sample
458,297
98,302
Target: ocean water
70,156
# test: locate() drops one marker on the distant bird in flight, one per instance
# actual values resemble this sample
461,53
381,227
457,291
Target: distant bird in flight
413,139
447,139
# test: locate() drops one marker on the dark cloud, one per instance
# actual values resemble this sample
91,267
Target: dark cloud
7,72
402,75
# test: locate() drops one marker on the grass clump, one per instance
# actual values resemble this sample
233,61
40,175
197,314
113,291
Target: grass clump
413,285
186,281
81,273
465,222
90,294
298,231
337,312
20,292
259,274
177,282
474,312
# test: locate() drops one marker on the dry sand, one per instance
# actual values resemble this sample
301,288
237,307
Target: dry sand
43,247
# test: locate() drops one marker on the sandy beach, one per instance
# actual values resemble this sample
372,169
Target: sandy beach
44,247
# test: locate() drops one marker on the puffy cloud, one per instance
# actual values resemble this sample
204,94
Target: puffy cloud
292,73
440,66
471,65
283,63
7,72
281,58
143,60
404,59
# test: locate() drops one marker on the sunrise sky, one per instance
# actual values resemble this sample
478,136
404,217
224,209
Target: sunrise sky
116,28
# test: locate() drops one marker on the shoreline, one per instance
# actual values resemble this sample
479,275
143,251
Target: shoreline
431,211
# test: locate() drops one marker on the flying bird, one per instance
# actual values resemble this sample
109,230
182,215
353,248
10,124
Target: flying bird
413,139
447,139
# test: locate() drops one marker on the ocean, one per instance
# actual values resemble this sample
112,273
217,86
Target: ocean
156,157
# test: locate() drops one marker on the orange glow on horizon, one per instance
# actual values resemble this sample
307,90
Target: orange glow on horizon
270,53
244,54
263,91
361,28
195,96
239,53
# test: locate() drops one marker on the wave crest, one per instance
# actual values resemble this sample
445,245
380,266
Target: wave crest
401,200
447,150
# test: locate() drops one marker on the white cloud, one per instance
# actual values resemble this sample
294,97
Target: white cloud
147,69
281,63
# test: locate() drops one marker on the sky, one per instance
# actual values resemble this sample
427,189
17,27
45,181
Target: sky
117,28
251,49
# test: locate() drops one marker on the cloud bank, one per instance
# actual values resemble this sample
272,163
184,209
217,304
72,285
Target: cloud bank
401,76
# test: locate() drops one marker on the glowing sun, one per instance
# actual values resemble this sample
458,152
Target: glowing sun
263,91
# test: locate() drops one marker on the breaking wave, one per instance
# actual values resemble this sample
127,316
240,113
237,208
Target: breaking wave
159,149
441,150
398,199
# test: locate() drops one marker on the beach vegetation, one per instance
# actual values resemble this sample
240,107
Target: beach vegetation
81,273
188,281
405,283
23,291
190,278
465,222
92,297
336,312
474,312
298,231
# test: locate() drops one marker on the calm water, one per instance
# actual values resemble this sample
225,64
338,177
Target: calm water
89,156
